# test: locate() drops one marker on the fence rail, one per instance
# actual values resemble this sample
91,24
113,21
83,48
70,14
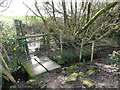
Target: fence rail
33,36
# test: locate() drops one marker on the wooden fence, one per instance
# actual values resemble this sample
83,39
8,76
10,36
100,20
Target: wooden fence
21,36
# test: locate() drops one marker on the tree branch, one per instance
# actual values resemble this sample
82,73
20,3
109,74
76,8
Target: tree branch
101,11
7,6
31,10
40,13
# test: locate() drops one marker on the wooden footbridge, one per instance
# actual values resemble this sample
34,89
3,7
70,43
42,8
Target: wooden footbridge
35,66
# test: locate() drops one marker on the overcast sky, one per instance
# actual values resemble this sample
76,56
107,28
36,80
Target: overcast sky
17,8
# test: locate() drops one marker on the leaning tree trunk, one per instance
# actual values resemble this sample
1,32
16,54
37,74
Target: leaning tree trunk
101,11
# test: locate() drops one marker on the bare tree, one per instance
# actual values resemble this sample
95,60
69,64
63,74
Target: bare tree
5,4
76,19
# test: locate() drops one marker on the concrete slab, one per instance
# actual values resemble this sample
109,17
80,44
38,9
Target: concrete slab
34,68
47,63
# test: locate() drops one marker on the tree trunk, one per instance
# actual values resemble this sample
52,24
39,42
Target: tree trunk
101,11
88,12
65,16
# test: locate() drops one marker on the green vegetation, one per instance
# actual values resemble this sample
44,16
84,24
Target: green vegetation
24,18
114,58
13,17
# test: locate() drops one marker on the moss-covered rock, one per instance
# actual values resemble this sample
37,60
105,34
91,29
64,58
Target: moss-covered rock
74,67
11,87
72,78
65,68
63,72
81,74
92,72
42,85
88,83
92,67
74,74
68,70
32,82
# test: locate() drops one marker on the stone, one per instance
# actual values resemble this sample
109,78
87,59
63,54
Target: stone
72,78
92,72
74,74
81,74
63,72
88,83
92,67
74,67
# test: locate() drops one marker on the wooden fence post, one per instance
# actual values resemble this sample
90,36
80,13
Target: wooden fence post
48,41
92,51
61,45
16,21
81,49
44,41
23,34
18,25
